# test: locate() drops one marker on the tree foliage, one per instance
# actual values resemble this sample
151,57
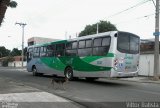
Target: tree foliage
103,26
4,4
15,52
8,56
4,52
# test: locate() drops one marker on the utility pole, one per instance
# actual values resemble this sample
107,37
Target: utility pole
22,25
156,49
97,28
66,35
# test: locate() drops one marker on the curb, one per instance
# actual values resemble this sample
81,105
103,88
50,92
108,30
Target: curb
141,81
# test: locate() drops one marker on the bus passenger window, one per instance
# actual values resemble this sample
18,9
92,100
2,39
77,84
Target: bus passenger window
43,51
85,52
97,42
29,54
69,46
106,41
50,50
60,48
36,52
81,44
101,46
73,49
74,45
85,48
88,43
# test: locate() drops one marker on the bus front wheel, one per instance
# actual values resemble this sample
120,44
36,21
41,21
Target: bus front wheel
34,71
69,73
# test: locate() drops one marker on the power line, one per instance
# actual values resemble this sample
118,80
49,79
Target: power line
137,18
129,8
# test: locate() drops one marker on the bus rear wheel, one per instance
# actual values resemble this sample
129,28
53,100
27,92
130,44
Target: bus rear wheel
69,73
34,71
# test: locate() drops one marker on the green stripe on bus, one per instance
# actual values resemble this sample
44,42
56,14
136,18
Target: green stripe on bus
75,62
53,62
78,64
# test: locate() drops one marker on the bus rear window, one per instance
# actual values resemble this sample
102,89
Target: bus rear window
128,43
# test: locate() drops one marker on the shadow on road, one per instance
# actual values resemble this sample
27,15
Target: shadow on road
100,81
104,82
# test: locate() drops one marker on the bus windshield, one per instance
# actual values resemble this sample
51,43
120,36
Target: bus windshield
128,43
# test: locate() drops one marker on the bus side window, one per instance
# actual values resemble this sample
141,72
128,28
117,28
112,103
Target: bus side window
71,49
42,51
74,45
60,50
69,46
101,46
36,52
50,50
85,48
106,41
29,54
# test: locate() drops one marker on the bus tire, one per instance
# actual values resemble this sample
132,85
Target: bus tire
69,73
34,71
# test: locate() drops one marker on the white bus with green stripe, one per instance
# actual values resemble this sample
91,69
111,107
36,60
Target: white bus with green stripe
109,54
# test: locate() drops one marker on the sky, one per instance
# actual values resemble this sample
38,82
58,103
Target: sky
57,18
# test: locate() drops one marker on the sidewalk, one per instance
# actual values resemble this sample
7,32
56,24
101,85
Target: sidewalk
15,68
141,79
17,95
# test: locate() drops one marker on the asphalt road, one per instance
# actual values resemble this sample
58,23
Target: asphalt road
98,94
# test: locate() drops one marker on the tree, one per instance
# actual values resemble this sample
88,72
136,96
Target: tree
15,52
4,4
103,26
4,52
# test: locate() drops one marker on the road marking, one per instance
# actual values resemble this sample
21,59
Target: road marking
31,97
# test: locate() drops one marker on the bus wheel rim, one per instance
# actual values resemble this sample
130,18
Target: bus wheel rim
69,74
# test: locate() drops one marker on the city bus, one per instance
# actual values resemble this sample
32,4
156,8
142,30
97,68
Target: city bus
108,54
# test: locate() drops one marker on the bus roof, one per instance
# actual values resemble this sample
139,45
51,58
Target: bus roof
94,35
110,33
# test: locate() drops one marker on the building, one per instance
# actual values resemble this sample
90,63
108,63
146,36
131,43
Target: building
147,46
17,62
39,40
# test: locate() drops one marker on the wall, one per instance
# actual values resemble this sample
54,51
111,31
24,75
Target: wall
17,64
146,65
